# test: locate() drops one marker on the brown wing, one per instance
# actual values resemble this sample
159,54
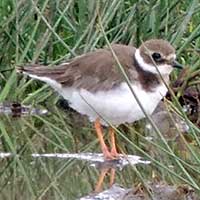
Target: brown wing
99,70
92,71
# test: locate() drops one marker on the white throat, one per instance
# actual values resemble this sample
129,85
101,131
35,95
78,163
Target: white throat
164,69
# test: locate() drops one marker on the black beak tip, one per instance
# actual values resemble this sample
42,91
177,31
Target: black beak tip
177,65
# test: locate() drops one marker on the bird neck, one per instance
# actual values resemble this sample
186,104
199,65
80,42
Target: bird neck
147,79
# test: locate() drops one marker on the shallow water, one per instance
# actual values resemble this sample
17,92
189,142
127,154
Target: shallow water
39,160
54,155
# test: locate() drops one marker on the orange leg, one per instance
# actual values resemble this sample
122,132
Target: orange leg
112,176
99,184
104,147
114,152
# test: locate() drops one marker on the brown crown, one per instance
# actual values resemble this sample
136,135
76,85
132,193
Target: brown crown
164,48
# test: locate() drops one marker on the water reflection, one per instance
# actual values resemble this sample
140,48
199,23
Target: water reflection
17,109
106,167
159,191
72,175
95,160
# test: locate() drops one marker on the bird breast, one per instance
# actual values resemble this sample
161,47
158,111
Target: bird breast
115,106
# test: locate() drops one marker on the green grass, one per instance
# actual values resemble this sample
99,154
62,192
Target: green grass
48,32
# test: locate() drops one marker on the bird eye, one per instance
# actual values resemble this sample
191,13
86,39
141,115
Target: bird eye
156,57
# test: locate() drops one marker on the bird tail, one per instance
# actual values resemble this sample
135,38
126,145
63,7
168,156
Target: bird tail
41,71
51,76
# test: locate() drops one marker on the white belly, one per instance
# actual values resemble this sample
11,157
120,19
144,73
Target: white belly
117,106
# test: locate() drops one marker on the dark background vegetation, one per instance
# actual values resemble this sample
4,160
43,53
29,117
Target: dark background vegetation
49,32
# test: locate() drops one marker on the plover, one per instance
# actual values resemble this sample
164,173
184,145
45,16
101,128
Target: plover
94,86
